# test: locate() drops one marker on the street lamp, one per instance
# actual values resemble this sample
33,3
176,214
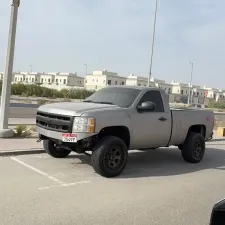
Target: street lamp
190,92
85,69
7,78
153,43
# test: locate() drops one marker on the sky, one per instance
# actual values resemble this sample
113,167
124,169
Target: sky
63,35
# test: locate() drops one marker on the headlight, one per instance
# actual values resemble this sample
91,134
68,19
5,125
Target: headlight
84,124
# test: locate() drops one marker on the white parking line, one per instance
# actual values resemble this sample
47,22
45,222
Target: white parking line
64,185
59,182
37,170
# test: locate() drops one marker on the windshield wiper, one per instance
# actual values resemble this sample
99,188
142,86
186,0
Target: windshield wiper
101,102
87,101
109,103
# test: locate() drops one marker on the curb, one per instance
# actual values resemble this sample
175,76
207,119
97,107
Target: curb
21,152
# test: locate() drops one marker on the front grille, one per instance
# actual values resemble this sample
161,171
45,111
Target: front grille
54,122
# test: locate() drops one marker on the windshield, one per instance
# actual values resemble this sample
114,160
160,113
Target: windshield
123,97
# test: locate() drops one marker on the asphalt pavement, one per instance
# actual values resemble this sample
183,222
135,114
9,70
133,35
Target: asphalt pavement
157,188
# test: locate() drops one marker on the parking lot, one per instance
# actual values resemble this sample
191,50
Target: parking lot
157,187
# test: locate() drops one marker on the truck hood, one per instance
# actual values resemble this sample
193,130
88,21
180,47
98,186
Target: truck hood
73,109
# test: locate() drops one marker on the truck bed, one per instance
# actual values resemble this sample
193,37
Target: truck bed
183,119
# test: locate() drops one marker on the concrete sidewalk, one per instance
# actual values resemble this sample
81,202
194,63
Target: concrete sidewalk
26,121
20,146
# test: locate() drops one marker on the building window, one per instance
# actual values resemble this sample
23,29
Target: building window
178,90
21,79
96,80
35,79
122,82
116,82
182,92
60,80
15,78
32,79
85,81
42,80
26,79
109,82
64,81
197,93
56,80
169,90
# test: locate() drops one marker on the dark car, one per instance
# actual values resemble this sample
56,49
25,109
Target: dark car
218,213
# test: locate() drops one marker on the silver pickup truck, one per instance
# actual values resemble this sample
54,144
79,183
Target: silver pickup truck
120,118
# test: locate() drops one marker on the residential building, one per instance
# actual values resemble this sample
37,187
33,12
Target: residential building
26,78
103,78
180,88
214,93
165,86
134,80
62,80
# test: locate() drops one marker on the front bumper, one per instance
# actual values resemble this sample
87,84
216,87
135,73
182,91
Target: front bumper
58,135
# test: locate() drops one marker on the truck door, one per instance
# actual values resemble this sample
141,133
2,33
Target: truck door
151,128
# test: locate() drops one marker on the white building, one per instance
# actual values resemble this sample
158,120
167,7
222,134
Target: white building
50,80
163,85
134,80
179,88
61,80
103,78
214,93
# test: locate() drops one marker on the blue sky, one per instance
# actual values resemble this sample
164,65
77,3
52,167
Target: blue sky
62,35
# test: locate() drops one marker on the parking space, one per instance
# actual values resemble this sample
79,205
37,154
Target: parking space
157,187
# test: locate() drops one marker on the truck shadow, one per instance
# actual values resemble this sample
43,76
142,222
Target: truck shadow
164,162
169,162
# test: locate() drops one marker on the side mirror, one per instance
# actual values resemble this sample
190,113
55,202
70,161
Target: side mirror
146,106
218,213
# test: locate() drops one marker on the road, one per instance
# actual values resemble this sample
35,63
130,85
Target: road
157,188
17,112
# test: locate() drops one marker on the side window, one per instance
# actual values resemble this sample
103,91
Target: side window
155,97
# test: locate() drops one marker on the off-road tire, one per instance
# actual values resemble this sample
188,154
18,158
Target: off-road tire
193,142
54,150
102,156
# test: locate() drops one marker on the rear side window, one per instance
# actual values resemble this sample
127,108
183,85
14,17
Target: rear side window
155,97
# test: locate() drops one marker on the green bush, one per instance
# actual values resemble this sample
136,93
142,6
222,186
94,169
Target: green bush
26,90
216,105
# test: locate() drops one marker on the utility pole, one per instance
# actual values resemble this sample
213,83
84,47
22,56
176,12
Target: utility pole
7,77
153,43
30,70
190,91
85,69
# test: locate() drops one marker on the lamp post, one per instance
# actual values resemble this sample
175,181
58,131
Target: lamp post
7,78
153,43
189,91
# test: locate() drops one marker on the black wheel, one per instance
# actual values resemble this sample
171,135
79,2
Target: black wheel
194,148
55,151
109,156
181,147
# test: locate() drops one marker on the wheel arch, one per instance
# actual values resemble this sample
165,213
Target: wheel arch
121,132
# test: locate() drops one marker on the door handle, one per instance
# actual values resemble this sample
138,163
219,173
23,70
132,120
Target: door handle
162,119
